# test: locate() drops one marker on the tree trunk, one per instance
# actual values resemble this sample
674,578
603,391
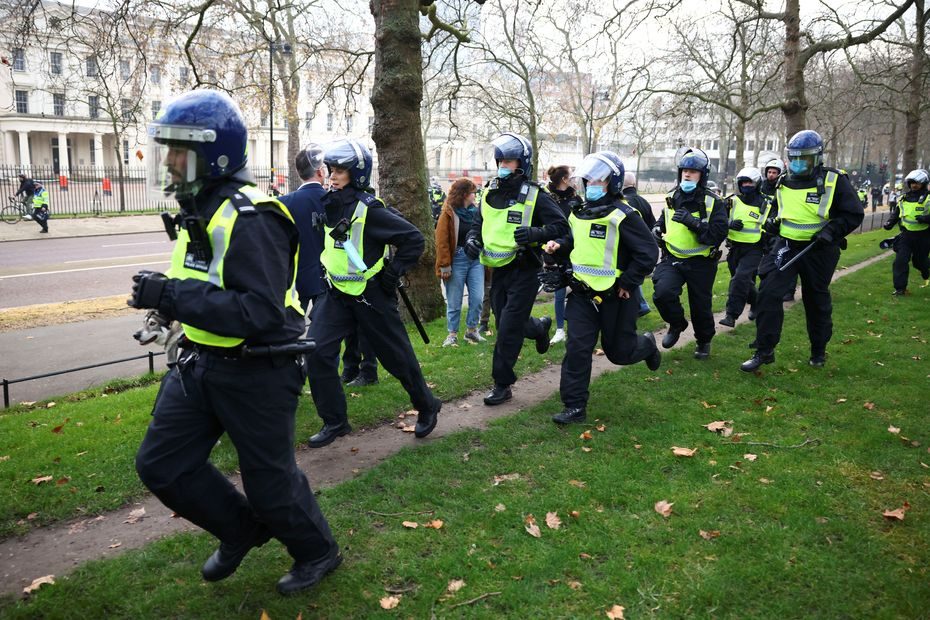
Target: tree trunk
395,97
795,103
915,93
740,143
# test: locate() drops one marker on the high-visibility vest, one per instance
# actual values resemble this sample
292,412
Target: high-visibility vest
345,275
803,213
680,240
185,266
497,228
597,246
910,210
40,199
753,218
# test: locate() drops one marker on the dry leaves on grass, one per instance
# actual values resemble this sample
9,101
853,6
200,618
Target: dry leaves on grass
840,400
898,513
435,524
578,483
38,583
389,602
750,457
664,508
720,426
585,435
894,430
455,585
876,475
39,480
870,406
689,452
529,524
601,428
505,477
553,521
709,534
412,525
707,405
615,612
136,515
500,508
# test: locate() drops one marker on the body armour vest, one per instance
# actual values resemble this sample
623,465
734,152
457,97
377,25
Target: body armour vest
803,211
680,240
344,274
910,210
497,228
597,246
753,218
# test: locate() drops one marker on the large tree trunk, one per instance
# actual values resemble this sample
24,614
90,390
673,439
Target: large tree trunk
915,92
396,97
795,103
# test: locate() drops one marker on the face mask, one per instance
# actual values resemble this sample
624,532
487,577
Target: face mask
503,172
747,190
688,186
797,166
594,192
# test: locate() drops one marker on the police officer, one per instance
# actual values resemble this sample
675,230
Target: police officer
231,285
692,226
913,244
748,212
40,207
818,207
515,217
363,291
863,195
611,251
436,198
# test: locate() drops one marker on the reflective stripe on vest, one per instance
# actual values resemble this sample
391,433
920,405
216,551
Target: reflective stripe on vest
340,270
597,246
497,226
909,213
752,217
40,199
219,230
680,240
801,219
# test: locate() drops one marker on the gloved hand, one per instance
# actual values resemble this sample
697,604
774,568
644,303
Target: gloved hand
147,289
683,216
524,235
889,224
389,279
736,225
923,219
473,248
657,232
772,226
824,236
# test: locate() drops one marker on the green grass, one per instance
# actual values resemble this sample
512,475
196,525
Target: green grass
801,530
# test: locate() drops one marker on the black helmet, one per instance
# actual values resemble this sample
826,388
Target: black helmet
512,146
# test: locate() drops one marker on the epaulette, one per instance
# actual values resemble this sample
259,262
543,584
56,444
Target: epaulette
246,200
626,209
370,200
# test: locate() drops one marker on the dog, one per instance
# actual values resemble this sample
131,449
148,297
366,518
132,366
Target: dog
158,329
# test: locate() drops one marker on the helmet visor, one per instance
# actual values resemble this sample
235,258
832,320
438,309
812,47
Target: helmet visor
170,170
595,168
816,150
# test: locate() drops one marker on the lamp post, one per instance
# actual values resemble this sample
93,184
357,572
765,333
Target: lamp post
284,48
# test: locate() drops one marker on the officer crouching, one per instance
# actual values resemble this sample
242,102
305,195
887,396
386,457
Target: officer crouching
611,251
231,286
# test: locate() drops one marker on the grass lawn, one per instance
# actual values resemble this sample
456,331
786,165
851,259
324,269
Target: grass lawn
790,531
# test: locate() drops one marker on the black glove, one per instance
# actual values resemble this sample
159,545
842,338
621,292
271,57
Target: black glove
389,279
473,248
683,216
889,224
923,219
524,235
147,289
772,226
657,232
824,236
736,225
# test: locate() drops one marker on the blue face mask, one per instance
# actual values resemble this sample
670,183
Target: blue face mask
503,172
798,166
594,192
688,186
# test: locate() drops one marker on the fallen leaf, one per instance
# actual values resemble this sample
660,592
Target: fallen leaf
50,405
683,451
708,405
598,351
897,514
585,435
409,428
115,545
136,515
31,516
500,508
455,585
601,428
505,477
585,449
574,585
768,408
726,432
389,602
894,430
265,615
435,524
38,583
709,535
411,524
58,428
585,556
821,520
718,425
574,514
62,481
615,612
5,457
841,400
577,483
529,524
41,479
765,481
876,475
465,406
553,521
638,446
664,508
750,457
870,406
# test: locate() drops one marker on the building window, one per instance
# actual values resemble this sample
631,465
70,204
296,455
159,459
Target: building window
19,59
124,69
93,106
58,104
91,66
715,145
751,146
770,145
697,144
308,120
54,63
155,73
93,153
22,102
156,107
183,73
126,152
329,121
126,109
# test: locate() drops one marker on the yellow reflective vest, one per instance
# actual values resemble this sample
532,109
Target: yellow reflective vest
910,210
596,248
497,226
40,199
186,265
680,240
802,211
345,275
753,218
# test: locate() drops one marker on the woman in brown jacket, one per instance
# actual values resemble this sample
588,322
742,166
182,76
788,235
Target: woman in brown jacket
452,265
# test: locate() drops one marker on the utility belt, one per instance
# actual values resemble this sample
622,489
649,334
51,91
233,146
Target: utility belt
254,351
583,290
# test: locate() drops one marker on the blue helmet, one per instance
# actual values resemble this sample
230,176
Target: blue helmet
694,159
197,136
603,166
512,146
805,153
352,155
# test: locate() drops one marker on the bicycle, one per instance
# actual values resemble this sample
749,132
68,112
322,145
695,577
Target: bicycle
17,210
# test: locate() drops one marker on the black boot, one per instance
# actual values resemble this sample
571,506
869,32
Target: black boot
571,415
328,434
498,395
818,358
361,381
304,575
655,360
900,292
702,351
542,340
758,358
228,557
426,420
672,336
752,314
728,321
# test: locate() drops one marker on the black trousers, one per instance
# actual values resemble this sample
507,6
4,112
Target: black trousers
815,270
40,216
743,262
254,401
912,247
513,291
614,321
375,316
358,359
670,276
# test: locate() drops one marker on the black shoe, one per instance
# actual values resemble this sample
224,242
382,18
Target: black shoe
498,395
900,292
228,557
788,296
542,340
328,434
304,575
571,415
756,361
349,378
672,336
818,359
655,360
45,230
728,321
702,351
426,420
361,381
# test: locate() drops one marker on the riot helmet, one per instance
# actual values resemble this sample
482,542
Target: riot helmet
309,160
512,146
749,174
919,176
776,164
805,154
603,166
353,156
694,159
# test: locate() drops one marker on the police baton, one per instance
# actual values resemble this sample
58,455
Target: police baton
413,314
797,256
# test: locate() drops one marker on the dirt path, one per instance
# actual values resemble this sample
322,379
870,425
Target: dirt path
58,549
42,315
